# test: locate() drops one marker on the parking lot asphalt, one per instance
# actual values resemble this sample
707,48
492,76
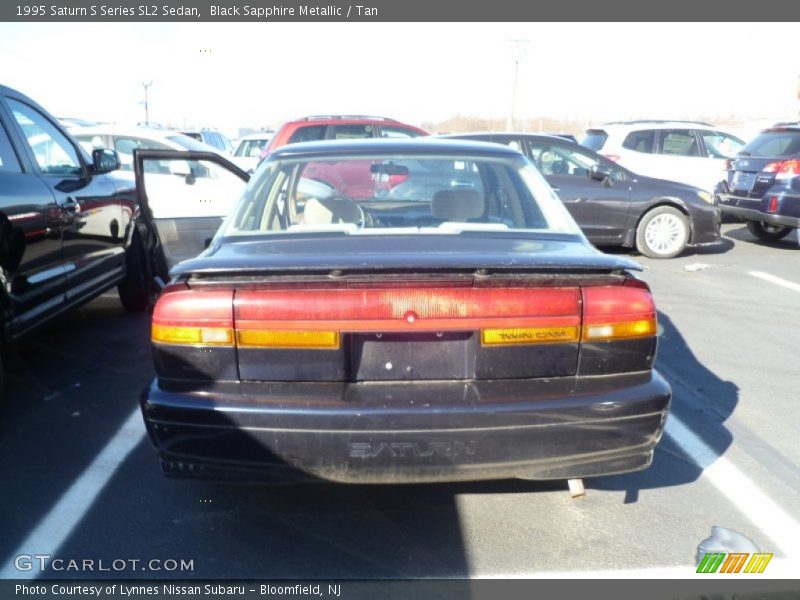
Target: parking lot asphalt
82,482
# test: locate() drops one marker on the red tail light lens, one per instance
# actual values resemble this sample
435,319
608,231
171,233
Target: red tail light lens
612,157
618,312
316,318
783,169
190,317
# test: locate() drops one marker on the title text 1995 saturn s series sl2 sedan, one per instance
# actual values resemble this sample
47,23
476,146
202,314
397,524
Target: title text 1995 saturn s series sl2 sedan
461,329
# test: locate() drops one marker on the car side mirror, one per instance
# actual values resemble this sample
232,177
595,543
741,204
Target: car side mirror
181,168
105,160
599,172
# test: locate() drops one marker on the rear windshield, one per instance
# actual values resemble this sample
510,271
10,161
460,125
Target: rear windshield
784,142
399,194
594,139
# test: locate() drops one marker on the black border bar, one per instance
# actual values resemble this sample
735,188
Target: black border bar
265,11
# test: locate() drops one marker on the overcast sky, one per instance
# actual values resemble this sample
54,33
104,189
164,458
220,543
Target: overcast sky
231,75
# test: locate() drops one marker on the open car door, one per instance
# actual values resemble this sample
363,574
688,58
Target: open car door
183,198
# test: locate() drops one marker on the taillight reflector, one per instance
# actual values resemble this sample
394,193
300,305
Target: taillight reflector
773,204
251,338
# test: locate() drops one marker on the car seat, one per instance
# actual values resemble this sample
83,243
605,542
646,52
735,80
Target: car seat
332,210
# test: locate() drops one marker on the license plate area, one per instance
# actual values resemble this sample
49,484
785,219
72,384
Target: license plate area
410,357
743,180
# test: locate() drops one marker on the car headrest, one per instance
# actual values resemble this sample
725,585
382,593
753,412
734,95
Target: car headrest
331,210
457,205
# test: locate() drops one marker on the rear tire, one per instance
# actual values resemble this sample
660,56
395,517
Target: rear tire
663,232
134,292
766,232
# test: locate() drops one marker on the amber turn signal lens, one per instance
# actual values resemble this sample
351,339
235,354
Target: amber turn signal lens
288,339
619,331
190,336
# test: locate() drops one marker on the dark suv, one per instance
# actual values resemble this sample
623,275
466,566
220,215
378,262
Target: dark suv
64,218
762,184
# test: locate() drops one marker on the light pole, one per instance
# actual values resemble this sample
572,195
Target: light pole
146,105
518,46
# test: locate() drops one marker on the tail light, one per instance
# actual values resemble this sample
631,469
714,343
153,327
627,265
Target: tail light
612,157
316,318
783,169
728,164
618,312
189,317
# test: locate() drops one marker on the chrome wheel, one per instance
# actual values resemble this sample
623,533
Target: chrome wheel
665,234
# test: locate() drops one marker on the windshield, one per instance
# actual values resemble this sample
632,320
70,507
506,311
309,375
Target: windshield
402,194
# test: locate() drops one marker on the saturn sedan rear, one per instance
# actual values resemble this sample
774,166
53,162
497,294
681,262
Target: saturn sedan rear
342,333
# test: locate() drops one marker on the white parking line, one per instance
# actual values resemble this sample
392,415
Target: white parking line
58,524
739,490
791,285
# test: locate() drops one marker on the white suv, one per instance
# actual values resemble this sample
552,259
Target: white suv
685,151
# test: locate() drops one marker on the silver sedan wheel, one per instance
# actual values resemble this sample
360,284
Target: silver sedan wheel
665,234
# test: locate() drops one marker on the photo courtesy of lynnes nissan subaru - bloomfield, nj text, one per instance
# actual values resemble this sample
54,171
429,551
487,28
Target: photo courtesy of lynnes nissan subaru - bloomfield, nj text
387,311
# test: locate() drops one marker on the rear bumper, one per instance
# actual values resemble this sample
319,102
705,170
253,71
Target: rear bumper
755,209
409,432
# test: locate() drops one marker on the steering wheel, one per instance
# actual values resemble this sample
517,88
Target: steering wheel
362,215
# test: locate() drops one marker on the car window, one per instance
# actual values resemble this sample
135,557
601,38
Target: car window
54,153
215,140
774,143
352,132
595,139
640,141
388,131
556,160
679,142
125,145
721,145
424,194
312,133
191,143
8,160
251,148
